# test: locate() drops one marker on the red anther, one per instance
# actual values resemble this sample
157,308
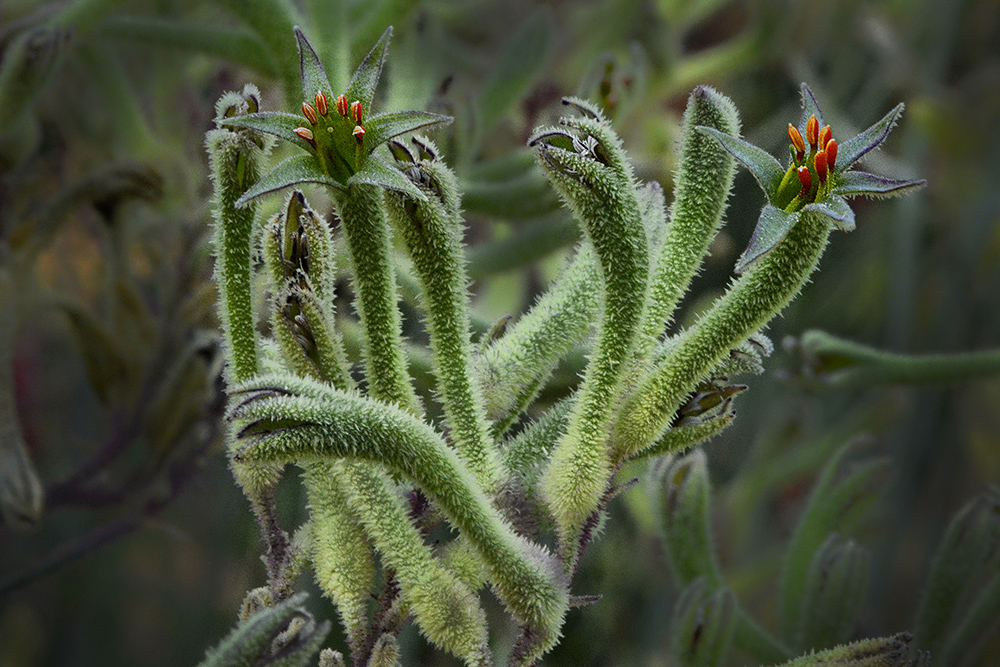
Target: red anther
831,154
305,133
356,112
796,137
342,105
806,179
309,113
812,131
321,104
820,163
359,132
824,137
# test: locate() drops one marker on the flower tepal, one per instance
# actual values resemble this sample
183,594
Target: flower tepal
338,133
819,177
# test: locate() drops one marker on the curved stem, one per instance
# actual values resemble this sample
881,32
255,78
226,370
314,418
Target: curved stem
750,303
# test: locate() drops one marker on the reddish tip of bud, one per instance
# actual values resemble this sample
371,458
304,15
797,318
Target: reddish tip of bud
812,131
824,137
321,104
309,113
305,133
356,112
831,154
820,163
359,133
796,138
806,179
342,105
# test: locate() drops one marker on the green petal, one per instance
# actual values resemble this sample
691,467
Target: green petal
280,124
294,170
809,108
854,149
365,79
314,78
836,209
856,183
386,126
378,172
772,226
761,164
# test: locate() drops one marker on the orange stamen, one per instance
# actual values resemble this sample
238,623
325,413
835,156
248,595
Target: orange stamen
309,113
321,104
831,154
359,133
812,131
820,163
824,137
305,133
356,112
806,179
342,105
796,138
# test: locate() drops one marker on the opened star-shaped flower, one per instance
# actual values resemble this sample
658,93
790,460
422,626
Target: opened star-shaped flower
818,180
336,131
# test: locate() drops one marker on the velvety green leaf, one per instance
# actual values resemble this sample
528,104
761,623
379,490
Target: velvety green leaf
377,172
809,108
314,77
761,164
277,123
855,183
855,148
365,79
878,652
294,170
521,64
772,226
385,126
836,209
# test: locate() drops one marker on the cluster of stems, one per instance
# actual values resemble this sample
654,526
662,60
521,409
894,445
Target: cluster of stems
381,471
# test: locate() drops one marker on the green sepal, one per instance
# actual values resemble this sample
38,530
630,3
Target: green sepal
385,126
703,625
860,183
841,494
834,591
772,226
264,638
276,123
856,147
836,210
761,164
365,79
293,171
380,173
314,78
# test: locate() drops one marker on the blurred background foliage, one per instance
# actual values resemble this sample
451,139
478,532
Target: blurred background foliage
145,547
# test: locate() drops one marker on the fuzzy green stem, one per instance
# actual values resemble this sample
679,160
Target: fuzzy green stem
747,306
702,186
363,214
234,161
432,232
317,421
